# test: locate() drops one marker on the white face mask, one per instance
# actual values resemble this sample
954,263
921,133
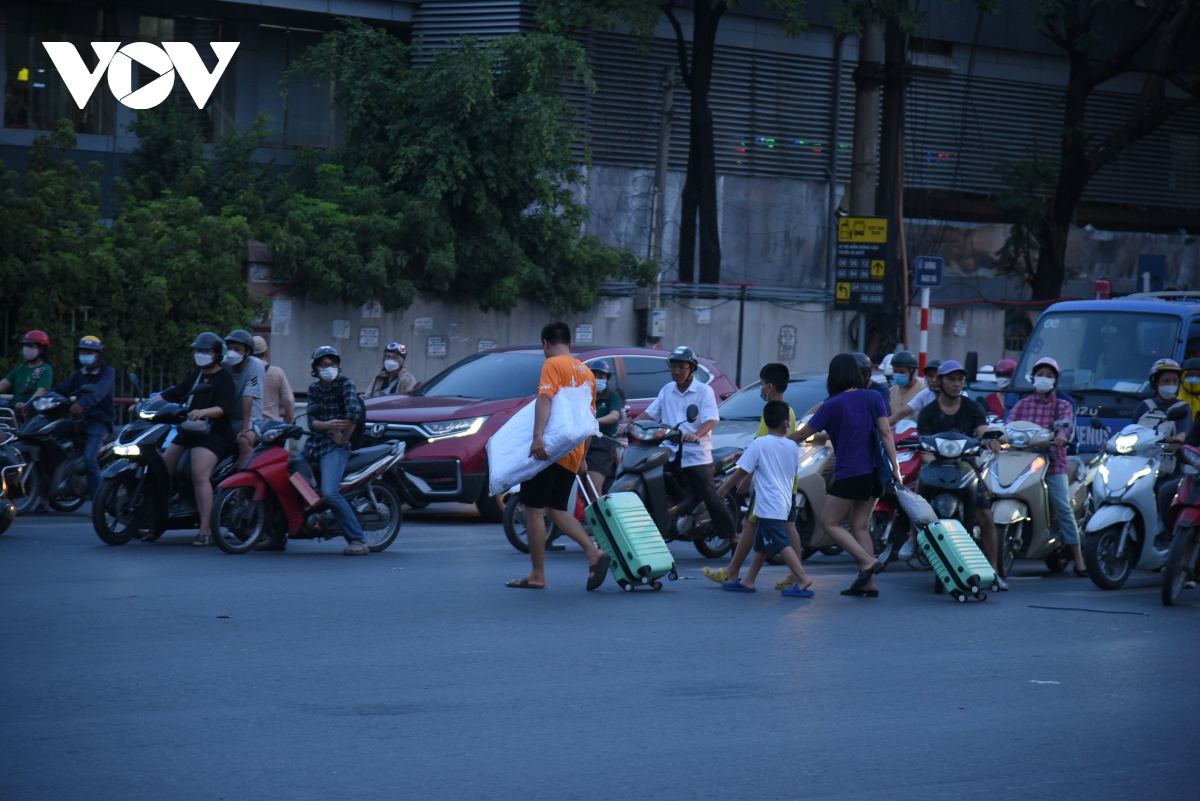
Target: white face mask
203,358
1043,384
391,365
29,353
1003,383
1168,390
234,358
328,373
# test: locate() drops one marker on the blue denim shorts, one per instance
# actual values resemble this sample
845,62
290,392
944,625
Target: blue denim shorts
771,536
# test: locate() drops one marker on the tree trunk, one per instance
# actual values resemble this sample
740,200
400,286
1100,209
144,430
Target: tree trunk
702,145
687,222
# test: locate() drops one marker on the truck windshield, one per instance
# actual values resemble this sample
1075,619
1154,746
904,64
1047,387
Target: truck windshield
1109,351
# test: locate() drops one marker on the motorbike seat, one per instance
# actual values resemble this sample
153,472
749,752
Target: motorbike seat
365,456
724,457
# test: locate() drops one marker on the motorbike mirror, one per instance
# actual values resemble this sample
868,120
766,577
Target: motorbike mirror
1096,422
86,388
134,382
693,413
972,365
1179,411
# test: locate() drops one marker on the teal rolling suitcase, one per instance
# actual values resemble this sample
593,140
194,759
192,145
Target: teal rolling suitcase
961,568
625,531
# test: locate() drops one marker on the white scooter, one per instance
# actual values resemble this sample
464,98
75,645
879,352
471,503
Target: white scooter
1122,533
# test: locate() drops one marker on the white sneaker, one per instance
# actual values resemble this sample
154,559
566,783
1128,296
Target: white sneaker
908,550
1001,584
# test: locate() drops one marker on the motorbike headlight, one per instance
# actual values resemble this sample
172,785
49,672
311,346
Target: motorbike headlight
42,404
448,429
950,448
1126,442
1018,438
146,415
129,451
904,456
817,455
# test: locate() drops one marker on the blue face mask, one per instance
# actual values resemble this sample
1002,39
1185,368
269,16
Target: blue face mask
87,359
601,384
1192,380
901,379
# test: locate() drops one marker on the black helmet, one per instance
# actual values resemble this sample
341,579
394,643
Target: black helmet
1191,364
904,358
209,341
933,364
241,337
323,351
683,354
604,366
864,362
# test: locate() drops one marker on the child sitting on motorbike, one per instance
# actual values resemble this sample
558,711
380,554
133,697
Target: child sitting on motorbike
211,384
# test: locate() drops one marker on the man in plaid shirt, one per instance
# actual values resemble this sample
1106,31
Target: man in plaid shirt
334,409
1045,408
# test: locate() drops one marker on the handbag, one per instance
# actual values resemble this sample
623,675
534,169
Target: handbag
883,463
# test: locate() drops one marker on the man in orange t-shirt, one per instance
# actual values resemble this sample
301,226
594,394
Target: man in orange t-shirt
549,491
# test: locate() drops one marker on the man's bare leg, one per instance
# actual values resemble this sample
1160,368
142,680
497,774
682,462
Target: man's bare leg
535,534
744,544
568,525
791,558
756,564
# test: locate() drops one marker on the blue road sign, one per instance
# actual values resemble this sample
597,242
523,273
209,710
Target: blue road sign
929,271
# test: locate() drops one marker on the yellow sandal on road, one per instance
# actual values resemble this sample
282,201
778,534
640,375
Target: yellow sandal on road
788,581
718,575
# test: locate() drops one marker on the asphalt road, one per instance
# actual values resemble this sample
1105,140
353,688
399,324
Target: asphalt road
157,671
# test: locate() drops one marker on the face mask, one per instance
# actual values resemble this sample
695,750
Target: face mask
762,393
901,379
202,359
87,359
1168,391
1043,384
234,358
29,353
391,365
1191,380
328,373
1003,382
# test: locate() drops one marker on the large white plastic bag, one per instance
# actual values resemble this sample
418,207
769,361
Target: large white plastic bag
571,422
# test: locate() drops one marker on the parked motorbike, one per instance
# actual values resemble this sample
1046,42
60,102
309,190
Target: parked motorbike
137,495
1125,532
276,493
1016,479
12,467
1183,559
650,469
889,523
52,443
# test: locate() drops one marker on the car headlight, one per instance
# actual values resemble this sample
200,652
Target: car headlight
1126,442
950,448
131,451
815,456
448,429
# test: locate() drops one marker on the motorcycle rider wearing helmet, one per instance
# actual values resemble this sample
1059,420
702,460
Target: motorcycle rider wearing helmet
994,403
912,408
954,411
1189,390
1165,378
394,378
213,397
905,382
334,409
33,378
249,379
96,407
602,452
670,407
1045,408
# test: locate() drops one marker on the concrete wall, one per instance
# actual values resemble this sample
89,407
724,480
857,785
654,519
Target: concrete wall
802,336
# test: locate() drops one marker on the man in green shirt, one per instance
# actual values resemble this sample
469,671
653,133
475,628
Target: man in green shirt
33,378
602,452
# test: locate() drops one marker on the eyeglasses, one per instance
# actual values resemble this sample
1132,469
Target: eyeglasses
398,348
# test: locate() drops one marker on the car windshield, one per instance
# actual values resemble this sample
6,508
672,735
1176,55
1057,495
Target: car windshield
1109,351
802,394
488,376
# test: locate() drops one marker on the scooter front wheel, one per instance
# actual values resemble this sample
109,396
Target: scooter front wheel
238,521
1181,564
1107,569
113,511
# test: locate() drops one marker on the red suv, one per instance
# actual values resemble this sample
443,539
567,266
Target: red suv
446,421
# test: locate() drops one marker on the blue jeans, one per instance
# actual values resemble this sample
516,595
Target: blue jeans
94,435
333,466
1058,488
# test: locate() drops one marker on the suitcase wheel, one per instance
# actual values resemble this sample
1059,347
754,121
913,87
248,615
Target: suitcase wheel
673,576
658,585
958,596
625,585
982,596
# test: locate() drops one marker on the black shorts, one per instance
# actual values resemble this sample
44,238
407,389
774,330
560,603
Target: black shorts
602,457
857,488
220,441
549,489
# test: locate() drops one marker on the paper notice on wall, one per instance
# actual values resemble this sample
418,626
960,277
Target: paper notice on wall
703,316
368,337
423,324
281,310
260,273
435,347
372,309
486,345
341,329
612,309
937,316
583,333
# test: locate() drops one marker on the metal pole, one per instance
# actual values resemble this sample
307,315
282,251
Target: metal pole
924,327
741,334
862,332
835,123
660,173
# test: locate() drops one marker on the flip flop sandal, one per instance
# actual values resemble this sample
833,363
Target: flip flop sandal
598,572
202,541
865,575
523,584
737,586
796,592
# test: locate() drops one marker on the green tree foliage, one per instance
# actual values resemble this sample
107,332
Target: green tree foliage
1023,207
454,178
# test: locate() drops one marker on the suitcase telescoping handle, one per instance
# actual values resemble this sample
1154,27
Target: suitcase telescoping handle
584,488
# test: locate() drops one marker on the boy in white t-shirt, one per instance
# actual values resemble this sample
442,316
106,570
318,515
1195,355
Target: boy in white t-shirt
773,461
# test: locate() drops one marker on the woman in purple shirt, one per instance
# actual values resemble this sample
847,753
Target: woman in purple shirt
847,417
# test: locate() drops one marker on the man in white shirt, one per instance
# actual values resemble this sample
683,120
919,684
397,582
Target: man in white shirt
923,398
670,407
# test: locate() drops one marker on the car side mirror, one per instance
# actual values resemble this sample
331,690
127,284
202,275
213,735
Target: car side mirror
1096,422
972,365
693,413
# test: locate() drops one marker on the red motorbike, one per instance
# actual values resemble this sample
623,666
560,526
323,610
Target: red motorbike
276,492
1183,560
889,524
